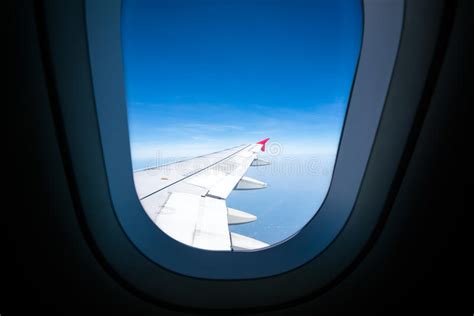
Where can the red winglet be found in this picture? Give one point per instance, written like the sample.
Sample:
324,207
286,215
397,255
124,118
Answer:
263,142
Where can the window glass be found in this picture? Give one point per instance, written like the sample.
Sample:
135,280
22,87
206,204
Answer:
203,76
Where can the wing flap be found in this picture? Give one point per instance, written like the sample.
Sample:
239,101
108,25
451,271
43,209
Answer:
195,220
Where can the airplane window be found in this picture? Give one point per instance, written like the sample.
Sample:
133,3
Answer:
235,112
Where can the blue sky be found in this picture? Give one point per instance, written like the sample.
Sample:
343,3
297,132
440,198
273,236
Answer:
207,75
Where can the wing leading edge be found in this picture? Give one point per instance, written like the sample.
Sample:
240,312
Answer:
186,199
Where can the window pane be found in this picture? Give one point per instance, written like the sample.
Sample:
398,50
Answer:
203,76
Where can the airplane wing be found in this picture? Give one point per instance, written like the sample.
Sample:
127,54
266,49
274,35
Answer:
186,199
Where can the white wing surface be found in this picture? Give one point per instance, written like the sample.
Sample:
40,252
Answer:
186,199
